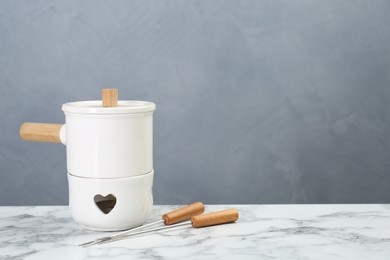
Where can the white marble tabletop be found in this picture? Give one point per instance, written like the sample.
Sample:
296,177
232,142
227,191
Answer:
262,232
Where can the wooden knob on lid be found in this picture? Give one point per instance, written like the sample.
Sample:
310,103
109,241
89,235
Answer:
110,97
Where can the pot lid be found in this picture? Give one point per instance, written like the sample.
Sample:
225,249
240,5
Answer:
109,105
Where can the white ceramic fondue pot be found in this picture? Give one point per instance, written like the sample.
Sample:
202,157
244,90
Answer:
109,148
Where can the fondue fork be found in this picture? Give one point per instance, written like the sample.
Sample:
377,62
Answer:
170,218
205,220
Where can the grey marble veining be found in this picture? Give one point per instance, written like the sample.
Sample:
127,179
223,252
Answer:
262,232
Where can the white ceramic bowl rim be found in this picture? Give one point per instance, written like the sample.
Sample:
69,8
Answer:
114,178
96,107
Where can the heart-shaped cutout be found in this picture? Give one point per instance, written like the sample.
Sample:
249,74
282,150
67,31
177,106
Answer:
105,203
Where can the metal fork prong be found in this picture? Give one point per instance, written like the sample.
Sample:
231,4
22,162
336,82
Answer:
96,241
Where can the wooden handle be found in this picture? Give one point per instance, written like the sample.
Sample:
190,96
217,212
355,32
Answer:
183,213
215,218
39,132
110,97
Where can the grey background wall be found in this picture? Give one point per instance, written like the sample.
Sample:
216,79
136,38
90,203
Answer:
258,101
